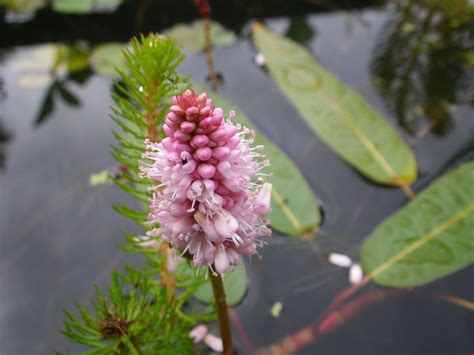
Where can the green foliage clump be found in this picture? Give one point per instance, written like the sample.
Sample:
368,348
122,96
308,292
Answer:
136,317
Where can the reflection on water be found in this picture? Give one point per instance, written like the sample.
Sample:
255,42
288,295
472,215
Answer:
418,64
299,30
4,138
58,233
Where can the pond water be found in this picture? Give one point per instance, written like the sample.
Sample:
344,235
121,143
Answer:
58,233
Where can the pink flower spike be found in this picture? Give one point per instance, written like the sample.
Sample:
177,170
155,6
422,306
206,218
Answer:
210,199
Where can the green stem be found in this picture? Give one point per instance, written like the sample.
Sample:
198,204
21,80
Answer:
223,315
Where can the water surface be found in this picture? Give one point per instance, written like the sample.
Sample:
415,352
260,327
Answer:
58,233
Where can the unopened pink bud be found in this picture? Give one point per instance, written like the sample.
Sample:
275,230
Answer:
171,124
204,153
206,110
233,142
192,113
169,132
205,123
172,117
177,110
180,136
187,127
199,141
221,153
207,171
182,147
187,98
216,120
201,99
218,135
230,131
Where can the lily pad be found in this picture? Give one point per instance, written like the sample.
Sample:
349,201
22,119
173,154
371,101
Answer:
191,37
107,57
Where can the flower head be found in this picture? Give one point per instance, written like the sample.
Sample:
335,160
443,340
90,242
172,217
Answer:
210,199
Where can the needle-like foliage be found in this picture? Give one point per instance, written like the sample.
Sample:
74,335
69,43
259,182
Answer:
134,318
148,310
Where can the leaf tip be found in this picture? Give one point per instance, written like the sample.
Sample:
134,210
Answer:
256,26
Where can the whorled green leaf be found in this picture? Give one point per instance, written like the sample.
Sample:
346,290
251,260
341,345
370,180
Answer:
191,37
338,114
295,210
106,58
235,286
433,236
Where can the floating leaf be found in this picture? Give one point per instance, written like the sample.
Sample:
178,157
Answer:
99,178
73,6
40,58
429,238
23,5
72,58
191,37
107,57
84,6
235,285
295,210
339,115
35,80
52,57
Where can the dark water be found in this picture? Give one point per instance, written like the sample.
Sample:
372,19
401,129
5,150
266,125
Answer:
58,233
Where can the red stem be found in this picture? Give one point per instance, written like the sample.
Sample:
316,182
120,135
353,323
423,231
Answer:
221,306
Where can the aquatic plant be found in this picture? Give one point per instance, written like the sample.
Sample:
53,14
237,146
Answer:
203,199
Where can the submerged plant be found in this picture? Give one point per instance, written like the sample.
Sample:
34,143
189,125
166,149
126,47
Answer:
203,197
